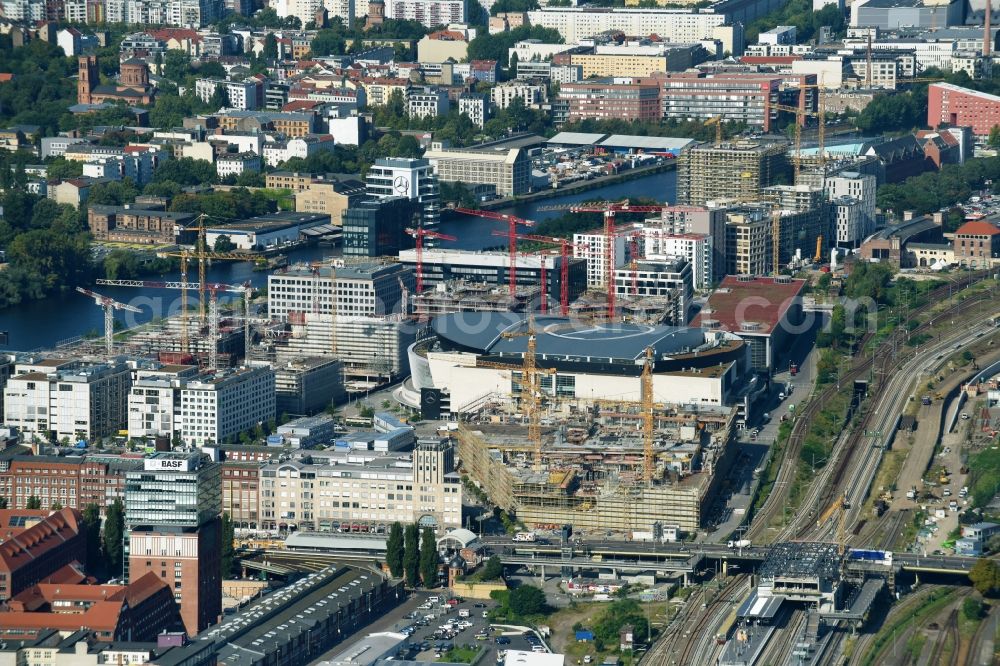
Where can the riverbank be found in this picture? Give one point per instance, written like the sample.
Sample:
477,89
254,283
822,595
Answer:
580,186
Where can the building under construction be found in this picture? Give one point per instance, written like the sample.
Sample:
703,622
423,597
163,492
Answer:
465,296
733,170
592,471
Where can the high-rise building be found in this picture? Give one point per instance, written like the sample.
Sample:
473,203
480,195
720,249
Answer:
214,409
377,227
368,289
734,171
413,179
172,517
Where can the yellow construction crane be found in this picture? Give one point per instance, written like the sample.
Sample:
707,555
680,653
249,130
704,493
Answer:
775,240
717,121
839,505
799,117
647,418
819,249
530,388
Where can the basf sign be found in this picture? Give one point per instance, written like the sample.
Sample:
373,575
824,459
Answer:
168,464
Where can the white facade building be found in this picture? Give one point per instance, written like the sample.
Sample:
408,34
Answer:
407,177
361,290
697,249
430,13
860,187
427,103
591,246
364,488
154,402
343,9
67,399
505,93
242,95
234,164
215,409
475,106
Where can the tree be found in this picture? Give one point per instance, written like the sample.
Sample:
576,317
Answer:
985,577
176,65
270,47
428,558
34,503
394,550
56,506
527,600
3,502
227,545
224,244
411,555
493,569
972,608
114,530
92,525
220,97
994,138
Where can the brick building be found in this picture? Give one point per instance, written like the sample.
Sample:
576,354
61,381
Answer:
40,551
977,244
619,98
953,105
72,481
123,224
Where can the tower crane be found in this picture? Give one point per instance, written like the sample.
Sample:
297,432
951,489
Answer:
512,224
609,209
565,245
420,234
530,387
839,506
109,305
213,288
717,121
647,417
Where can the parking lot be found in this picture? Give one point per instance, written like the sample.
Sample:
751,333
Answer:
436,626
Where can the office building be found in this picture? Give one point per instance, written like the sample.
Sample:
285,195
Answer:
509,171
948,104
748,241
646,279
40,551
154,401
697,249
896,14
735,97
732,171
369,489
172,517
409,178
217,408
854,221
71,481
308,385
57,399
364,289
443,265
377,227
329,198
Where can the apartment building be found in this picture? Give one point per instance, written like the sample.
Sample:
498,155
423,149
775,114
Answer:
289,123
427,103
214,409
125,224
71,481
698,220
237,164
735,171
621,98
475,106
406,177
369,289
736,97
242,95
172,518
508,171
241,492
592,246
533,95
669,277
370,489
58,400
854,222
296,181
697,249
429,13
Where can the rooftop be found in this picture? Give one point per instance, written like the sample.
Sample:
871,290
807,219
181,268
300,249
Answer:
730,306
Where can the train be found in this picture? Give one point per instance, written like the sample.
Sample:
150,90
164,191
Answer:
880,557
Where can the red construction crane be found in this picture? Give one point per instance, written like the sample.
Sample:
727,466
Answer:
633,250
511,234
420,234
109,305
609,209
565,245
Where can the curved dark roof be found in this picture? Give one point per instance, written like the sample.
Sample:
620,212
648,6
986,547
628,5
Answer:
483,332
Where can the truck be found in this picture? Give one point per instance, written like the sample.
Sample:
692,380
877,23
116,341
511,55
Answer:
926,400
793,369
911,493
524,536
739,543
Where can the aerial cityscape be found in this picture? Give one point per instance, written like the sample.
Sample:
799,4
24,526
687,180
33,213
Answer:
499,332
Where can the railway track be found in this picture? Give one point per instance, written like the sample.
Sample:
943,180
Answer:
709,618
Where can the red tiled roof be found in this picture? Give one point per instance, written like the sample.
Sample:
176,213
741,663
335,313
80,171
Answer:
47,535
12,521
301,105
978,228
738,301
180,34
6,76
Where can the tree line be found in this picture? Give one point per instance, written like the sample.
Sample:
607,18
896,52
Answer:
411,554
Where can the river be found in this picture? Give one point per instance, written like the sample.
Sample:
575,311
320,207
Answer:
41,324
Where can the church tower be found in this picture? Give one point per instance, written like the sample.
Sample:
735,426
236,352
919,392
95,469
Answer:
87,79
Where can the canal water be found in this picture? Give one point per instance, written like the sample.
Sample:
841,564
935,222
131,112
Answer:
42,324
